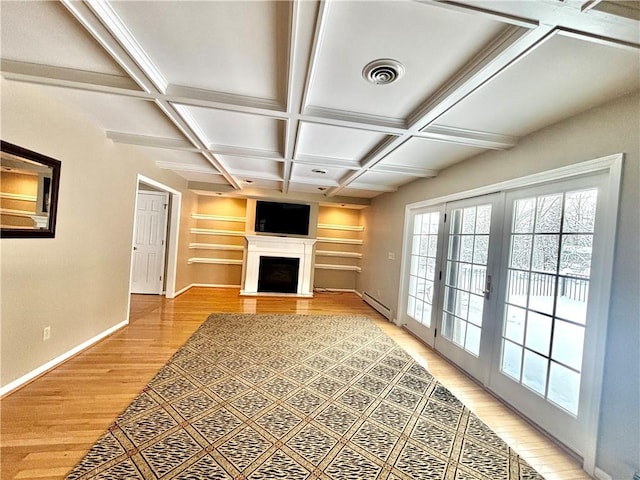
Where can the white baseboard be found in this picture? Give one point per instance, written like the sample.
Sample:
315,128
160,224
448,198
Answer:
58,360
213,285
601,474
338,290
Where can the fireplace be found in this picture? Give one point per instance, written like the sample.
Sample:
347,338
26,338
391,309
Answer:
278,258
278,274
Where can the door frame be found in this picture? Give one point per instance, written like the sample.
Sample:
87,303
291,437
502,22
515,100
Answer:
611,165
173,228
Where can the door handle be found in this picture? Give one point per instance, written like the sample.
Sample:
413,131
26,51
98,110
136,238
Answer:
488,288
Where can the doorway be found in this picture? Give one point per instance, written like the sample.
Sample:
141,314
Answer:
148,187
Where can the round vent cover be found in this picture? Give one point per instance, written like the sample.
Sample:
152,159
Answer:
383,71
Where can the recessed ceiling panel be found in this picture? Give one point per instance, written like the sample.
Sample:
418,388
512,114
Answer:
562,77
234,129
46,33
428,154
121,114
342,143
316,175
231,47
432,43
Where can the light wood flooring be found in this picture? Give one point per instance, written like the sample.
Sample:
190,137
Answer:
48,425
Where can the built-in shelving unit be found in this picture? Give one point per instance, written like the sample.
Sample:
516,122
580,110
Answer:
217,248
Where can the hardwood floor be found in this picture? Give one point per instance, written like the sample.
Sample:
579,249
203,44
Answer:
48,425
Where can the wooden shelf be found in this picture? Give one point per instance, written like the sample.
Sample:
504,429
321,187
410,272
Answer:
211,231
220,218
327,266
350,228
214,246
217,261
334,253
348,241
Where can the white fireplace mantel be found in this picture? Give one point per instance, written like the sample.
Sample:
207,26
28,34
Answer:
273,246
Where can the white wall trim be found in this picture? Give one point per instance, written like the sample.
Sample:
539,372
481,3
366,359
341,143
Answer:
581,168
8,388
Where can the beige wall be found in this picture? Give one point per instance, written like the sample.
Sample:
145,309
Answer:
76,283
609,129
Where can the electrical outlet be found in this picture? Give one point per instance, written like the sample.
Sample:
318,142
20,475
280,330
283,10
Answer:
391,256
46,334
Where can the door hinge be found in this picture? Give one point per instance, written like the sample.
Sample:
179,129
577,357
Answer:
435,333
160,277
445,218
440,275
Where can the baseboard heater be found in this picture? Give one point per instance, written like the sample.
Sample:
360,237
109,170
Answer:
382,309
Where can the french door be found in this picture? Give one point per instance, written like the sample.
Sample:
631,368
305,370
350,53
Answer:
469,261
502,285
545,285
424,265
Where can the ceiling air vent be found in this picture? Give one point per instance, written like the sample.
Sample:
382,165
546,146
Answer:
383,71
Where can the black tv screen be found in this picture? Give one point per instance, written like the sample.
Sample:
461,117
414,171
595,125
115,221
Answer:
286,218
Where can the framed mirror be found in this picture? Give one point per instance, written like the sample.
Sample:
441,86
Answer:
29,184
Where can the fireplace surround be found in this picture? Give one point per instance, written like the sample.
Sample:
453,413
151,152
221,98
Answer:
282,247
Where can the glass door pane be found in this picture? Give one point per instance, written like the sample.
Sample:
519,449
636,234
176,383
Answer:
466,276
547,291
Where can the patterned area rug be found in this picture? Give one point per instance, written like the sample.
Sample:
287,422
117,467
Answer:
261,397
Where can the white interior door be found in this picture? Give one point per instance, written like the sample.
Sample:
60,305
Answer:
149,242
424,267
538,363
467,307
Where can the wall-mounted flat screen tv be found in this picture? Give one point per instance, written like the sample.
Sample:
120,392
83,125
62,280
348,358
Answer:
282,218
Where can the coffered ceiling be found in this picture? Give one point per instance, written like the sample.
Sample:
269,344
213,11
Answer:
269,98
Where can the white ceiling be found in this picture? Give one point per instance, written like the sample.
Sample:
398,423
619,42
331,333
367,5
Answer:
268,98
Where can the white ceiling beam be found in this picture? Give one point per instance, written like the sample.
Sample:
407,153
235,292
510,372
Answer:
150,141
327,162
224,101
303,16
471,138
235,151
392,125
404,170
